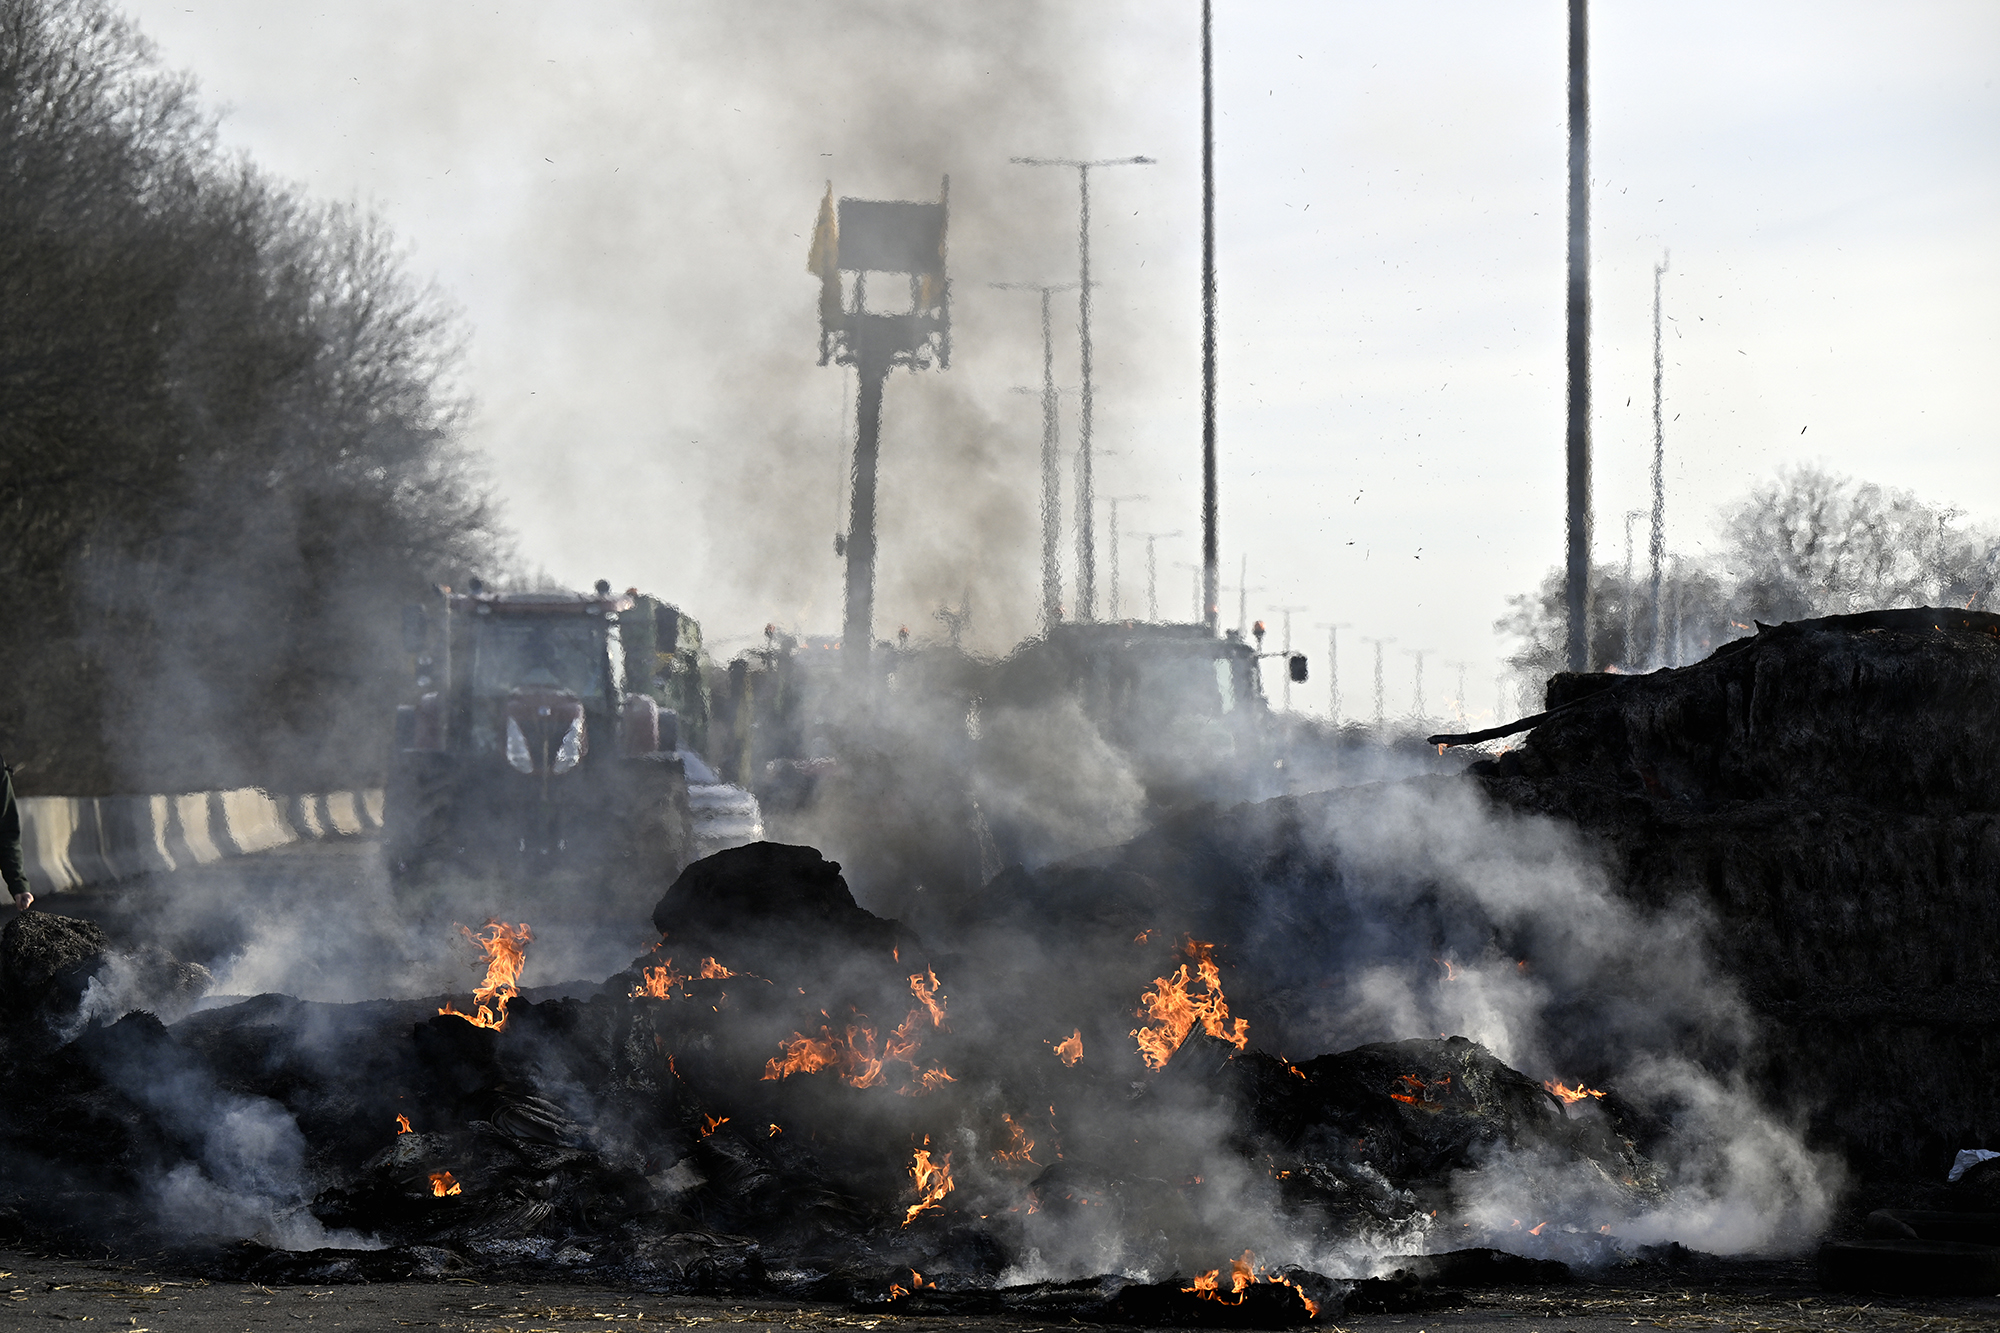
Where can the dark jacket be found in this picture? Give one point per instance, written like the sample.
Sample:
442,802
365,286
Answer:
10,834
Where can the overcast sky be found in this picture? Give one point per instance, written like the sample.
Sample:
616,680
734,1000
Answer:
617,195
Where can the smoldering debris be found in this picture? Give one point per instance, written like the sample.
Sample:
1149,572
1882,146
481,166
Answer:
1825,792
59,971
791,1095
1338,1051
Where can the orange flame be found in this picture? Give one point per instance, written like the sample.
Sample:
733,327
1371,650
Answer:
1570,1096
658,983
775,1131
1019,1145
1070,1050
1174,1009
402,1124
664,982
504,947
711,1123
1242,1272
933,1181
1416,1092
932,1079
929,997
443,1184
854,1054
1312,1306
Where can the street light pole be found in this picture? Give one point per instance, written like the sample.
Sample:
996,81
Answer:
1114,502
1631,601
1152,575
1051,470
1381,714
1211,549
1658,545
1577,576
1086,573
1333,670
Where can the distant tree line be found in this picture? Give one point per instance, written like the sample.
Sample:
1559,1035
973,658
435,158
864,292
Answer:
1808,543
229,440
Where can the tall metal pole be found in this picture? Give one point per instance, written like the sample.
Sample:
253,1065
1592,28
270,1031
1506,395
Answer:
1152,583
1381,713
1086,552
1152,575
1051,455
1333,670
857,635
1655,656
1243,599
1086,507
1461,690
1626,654
1211,573
1051,477
1578,572
1114,501
1418,653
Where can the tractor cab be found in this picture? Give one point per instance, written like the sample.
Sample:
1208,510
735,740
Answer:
523,747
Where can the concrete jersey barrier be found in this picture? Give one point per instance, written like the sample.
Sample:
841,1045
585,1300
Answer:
68,842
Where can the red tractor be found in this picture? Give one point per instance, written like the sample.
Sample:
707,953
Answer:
525,756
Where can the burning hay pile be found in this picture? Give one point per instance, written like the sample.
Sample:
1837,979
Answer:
791,1094
1094,1090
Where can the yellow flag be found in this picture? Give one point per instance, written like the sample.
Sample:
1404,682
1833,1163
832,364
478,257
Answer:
824,256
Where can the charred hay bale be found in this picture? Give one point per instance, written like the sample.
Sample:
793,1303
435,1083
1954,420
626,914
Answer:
1891,708
774,908
1829,792
1415,1112
46,960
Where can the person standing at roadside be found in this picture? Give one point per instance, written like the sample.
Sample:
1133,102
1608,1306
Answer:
10,842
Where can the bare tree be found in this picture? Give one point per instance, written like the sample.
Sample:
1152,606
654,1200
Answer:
1807,543
229,437
1812,542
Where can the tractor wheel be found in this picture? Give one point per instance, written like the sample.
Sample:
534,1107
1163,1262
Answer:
655,828
418,806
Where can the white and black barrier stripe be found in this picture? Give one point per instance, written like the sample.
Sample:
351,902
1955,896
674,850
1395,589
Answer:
68,842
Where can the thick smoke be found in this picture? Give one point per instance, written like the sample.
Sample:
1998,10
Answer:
1401,911
231,1165
724,490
